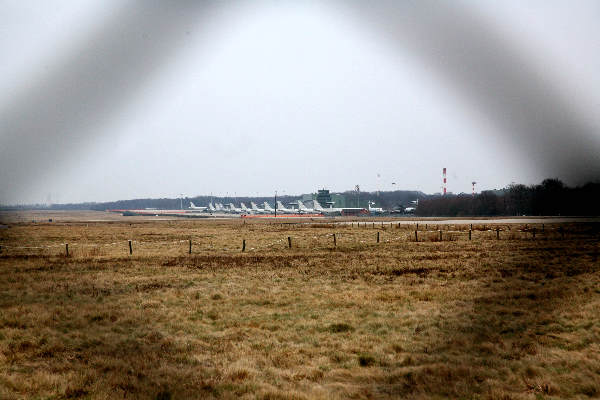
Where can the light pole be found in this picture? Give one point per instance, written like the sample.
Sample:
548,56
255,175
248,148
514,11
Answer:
276,204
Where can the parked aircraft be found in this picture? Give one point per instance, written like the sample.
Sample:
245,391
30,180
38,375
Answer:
194,207
302,209
338,210
375,210
268,208
257,210
233,209
281,209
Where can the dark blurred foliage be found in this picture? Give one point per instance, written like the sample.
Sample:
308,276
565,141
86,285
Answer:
551,197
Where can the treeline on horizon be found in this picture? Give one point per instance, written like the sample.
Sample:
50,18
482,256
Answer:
386,200
551,197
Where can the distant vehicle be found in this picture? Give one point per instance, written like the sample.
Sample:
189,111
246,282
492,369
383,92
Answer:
375,210
412,209
194,207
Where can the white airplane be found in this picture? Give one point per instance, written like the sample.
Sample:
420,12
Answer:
281,209
375,210
337,210
257,210
268,208
232,209
194,207
302,209
245,209
211,208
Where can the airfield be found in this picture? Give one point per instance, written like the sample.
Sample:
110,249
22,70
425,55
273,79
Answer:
175,308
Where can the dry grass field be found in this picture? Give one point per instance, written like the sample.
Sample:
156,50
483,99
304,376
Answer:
515,318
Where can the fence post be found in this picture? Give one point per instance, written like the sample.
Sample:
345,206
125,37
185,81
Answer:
417,227
377,237
416,237
290,242
190,252
498,233
469,234
471,227
243,245
334,241
67,249
373,225
440,235
130,248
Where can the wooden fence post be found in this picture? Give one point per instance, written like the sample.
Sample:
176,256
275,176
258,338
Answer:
130,248
67,249
471,226
417,227
334,241
190,252
243,245
416,237
469,234
440,235
377,237
290,242
498,233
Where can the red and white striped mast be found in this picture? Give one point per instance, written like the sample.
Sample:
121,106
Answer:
444,176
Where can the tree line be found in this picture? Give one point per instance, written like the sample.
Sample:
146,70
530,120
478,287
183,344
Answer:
551,197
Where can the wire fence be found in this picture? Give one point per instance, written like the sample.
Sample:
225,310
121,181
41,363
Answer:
347,237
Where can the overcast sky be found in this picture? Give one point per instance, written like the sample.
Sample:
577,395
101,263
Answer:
107,100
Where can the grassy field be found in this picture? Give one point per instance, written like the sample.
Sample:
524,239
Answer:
493,319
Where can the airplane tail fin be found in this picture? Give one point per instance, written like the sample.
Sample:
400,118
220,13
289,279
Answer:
280,206
317,205
301,205
192,205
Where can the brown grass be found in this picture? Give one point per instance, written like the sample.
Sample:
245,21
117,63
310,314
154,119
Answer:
490,319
